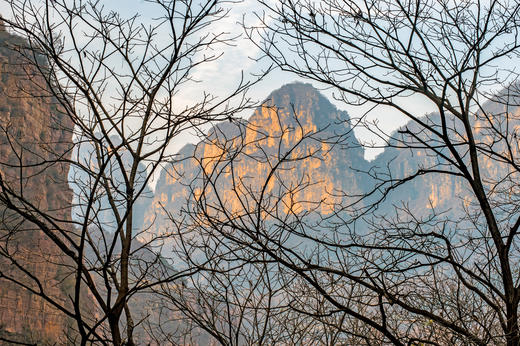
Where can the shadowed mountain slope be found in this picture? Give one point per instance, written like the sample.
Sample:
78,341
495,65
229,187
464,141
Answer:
33,134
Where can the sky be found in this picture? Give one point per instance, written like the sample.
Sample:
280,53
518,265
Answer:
225,73
242,58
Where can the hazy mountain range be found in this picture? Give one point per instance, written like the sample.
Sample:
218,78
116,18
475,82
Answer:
335,174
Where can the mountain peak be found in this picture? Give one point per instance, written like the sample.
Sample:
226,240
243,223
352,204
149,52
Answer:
296,87
304,101
296,93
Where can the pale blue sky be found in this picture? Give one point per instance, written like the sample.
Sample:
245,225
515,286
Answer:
222,75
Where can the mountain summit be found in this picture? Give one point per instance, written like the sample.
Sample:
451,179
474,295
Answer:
323,156
304,98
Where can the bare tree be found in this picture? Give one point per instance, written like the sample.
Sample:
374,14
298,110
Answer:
114,81
386,267
262,262
249,185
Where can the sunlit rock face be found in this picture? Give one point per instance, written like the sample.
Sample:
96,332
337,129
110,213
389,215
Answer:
31,132
323,169
238,165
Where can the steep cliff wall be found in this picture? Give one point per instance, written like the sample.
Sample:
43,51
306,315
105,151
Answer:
32,135
335,171
296,121
446,192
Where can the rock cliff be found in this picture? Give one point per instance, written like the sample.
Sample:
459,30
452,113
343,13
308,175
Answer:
328,163
33,134
295,122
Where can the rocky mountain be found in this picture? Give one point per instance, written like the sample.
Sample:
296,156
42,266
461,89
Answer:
299,125
426,191
32,135
296,125
446,192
